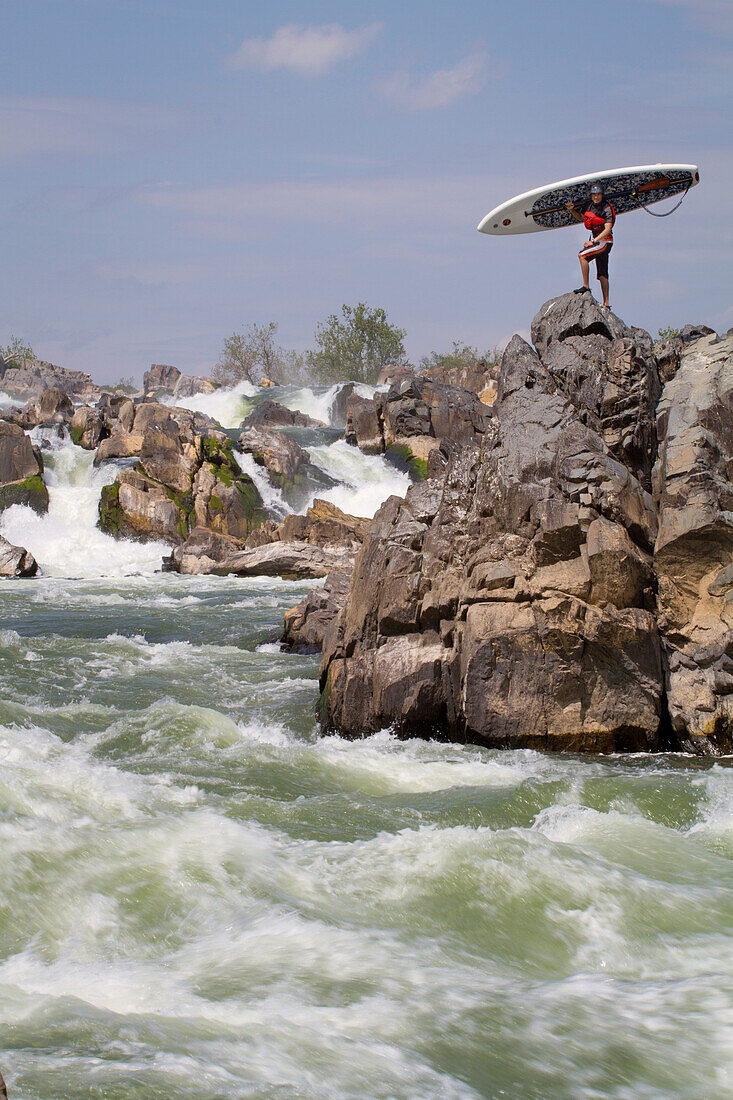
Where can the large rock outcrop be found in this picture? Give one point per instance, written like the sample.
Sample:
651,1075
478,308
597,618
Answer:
607,370
694,549
164,379
26,380
21,468
187,477
52,407
510,599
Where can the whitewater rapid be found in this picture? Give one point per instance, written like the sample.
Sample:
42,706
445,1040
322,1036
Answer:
206,899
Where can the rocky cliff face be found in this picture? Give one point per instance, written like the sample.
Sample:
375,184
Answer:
511,599
693,555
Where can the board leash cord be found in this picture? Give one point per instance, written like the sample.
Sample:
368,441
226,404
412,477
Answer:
652,185
676,206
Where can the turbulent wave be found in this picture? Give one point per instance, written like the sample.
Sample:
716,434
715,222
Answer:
203,898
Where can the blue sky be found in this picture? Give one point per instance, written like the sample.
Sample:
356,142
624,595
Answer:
172,170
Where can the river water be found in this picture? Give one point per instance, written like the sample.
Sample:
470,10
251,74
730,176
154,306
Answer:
203,898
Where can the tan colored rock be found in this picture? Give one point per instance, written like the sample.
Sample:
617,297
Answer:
88,427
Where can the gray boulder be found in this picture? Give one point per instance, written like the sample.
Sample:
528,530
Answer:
16,561
308,623
188,385
292,560
20,470
51,408
88,427
409,421
160,377
201,552
271,414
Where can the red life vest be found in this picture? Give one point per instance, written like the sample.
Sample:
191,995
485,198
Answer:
595,222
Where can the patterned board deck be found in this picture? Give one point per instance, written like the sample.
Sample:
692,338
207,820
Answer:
619,192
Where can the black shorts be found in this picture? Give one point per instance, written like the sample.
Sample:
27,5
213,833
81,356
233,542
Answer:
599,253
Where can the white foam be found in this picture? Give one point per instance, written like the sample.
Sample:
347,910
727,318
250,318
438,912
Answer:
318,403
228,406
6,400
272,498
366,480
384,763
66,542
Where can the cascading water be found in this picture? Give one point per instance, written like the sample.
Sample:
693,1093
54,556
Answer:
365,481
318,402
229,406
66,542
271,497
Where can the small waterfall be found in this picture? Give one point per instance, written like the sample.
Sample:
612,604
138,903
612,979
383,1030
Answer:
228,406
318,402
271,497
365,480
66,542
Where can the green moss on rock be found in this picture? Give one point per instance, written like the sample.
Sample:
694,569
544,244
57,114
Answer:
31,492
400,455
111,516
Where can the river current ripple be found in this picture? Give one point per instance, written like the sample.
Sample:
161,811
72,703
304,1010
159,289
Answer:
203,898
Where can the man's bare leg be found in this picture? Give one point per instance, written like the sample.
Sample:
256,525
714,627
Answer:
603,280
585,268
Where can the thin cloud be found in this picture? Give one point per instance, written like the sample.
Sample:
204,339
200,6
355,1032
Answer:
56,124
440,88
305,50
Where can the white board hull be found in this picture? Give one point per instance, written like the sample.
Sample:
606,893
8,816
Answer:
544,207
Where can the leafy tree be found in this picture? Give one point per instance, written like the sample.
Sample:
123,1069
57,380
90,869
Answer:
249,355
126,384
462,357
355,346
17,352
667,333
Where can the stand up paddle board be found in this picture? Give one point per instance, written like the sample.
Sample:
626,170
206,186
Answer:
625,188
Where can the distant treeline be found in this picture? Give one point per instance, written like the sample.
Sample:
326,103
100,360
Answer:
353,345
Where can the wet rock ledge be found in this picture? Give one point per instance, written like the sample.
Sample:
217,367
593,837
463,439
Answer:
565,580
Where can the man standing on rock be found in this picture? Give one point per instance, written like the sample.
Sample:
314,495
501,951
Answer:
598,216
